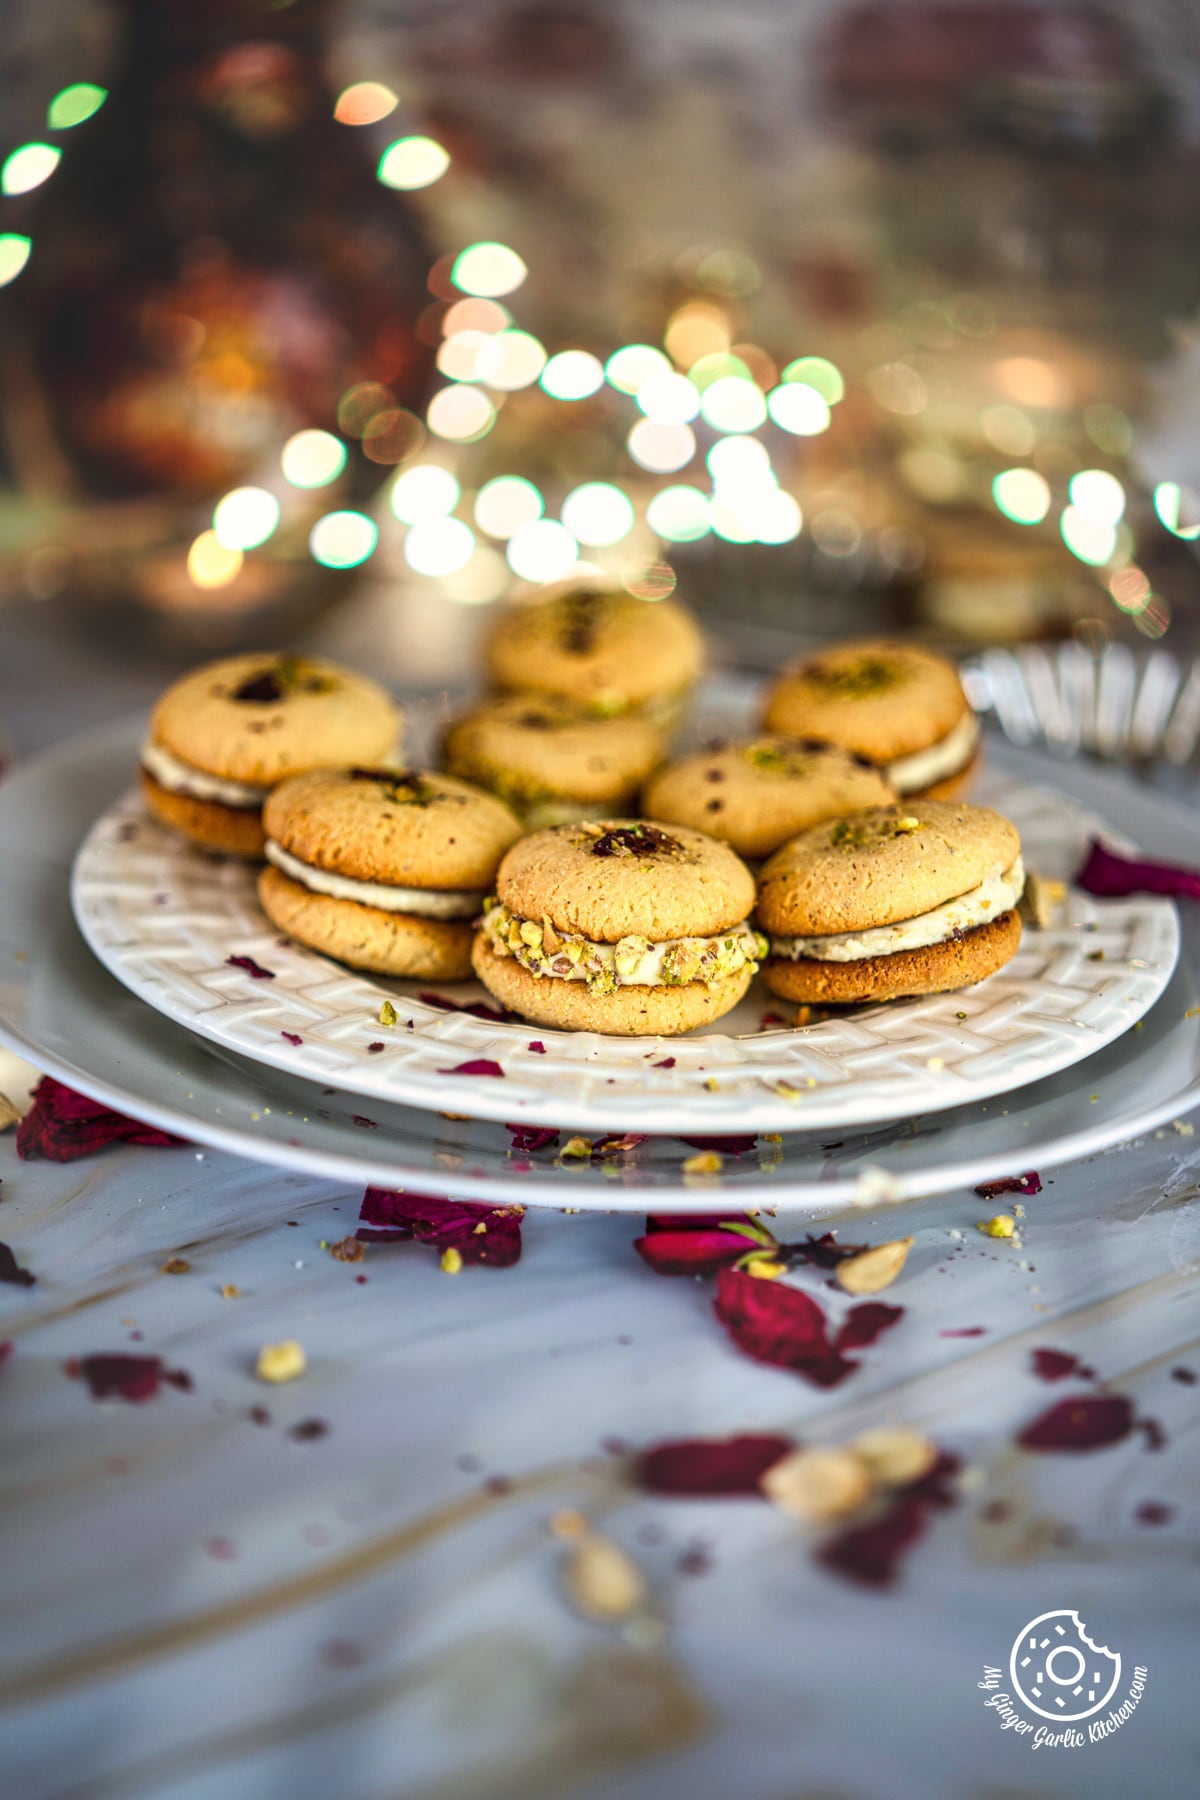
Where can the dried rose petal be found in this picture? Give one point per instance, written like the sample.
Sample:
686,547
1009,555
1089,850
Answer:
780,1325
963,1331
532,1137
292,1037
823,1252
537,1046
479,1009
1107,873
480,1065
61,1125
445,1225
12,1272
254,970
1029,1183
119,1377
871,1554
363,1122
863,1324
726,1146
710,1465
1152,1431
1054,1365
701,1252
1084,1422
668,1062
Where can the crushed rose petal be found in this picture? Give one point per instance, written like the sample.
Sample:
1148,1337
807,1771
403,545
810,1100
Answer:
537,1046
1029,1183
12,1272
254,970
479,1065
293,1037
479,1009
1107,873
863,1324
871,1554
1083,1422
732,1465
532,1137
779,1325
445,1224
130,1378
1054,1365
62,1125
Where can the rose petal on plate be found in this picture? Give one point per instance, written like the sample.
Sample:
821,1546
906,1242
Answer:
1107,873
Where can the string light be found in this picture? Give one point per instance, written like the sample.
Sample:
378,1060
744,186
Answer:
733,403
74,104
342,540
798,408
1098,495
542,551
633,365
509,360
817,372
461,414
425,491
488,269
26,168
679,514
1022,495
506,503
573,375
210,564
668,399
413,162
365,103
661,448
312,459
439,546
14,254
1177,507
598,514
1092,540
245,518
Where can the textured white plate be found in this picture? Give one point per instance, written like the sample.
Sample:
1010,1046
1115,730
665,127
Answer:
166,920
60,1009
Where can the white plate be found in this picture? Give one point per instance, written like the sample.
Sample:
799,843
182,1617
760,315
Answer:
60,1009
166,919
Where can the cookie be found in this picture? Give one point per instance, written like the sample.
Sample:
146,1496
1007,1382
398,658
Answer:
757,792
222,737
898,705
910,899
552,763
620,926
383,869
600,648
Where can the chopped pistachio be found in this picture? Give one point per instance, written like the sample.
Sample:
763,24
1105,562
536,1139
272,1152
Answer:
451,1260
1000,1226
388,1014
285,1361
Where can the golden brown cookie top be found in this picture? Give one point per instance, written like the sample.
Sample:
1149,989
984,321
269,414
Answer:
406,828
881,699
755,793
529,746
877,867
260,717
600,647
623,877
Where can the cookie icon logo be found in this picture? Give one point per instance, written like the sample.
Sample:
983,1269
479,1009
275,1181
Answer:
1058,1672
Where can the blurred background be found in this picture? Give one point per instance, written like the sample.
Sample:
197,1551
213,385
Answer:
331,323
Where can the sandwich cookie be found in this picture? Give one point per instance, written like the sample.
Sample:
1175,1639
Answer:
758,792
383,869
620,926
898,705
222,737
602,649
912,899
552,763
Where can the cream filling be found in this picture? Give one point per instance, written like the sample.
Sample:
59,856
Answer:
183,778
908,774
427,903
631,962
983,904
539,815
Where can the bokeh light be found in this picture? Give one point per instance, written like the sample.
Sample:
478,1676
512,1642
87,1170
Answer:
505,504
1178,508
365,103
729,521
1130,588
26,168
668,399
509,360
733,404
475,315
1022,495
210,563
598,514
773,516
836,532
458,354
739,461
245,518
1032,382
14,254
679,514
573,375
633,365
342,540
425,491
488,269
1091,540
817,372
460,414
542,551
74,104
696,330
439,546
393,436
899,388
798,408
661,448
312,459
1109,428
1009,430
655,581
719,366
1098,495
483,578
413,162
359,405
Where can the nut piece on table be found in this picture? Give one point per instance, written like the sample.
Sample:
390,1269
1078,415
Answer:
874,1269
818,1485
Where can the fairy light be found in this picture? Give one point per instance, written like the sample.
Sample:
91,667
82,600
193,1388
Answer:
460,414
733,404
342,540
458,355
695,330
796,407
509,360
413,162
245,518
729,522
1098,495
488,269
679,514
475,315
27,167
439,546
424,491
365,103
505,504
1177,508
572,375
739,460
1092,540
72,105
14,254
211,564
773,516
598,514
662,449
312,459
542,551
719,366
819,373
1022,495
633,365
668,399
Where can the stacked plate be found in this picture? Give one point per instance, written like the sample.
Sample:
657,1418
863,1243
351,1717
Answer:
292,1065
